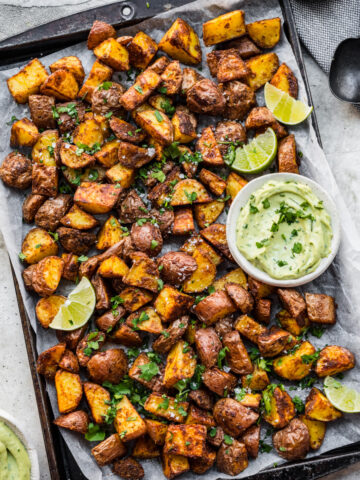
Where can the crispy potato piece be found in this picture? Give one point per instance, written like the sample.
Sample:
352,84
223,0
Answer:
99,32
107,156
274,341
143,273
121,175
37,245
262,310
259,289
71,338
108,366
126,131
219,381
174,465
231,66
215,183
183,221
113,267
240,98
45,180
157,125
208,148
27,81
27,277
206,97
102,292
108,320
89,132
145,448
233,417
225,27
76,241
156,430
24,133
47,308
258,380
109,234
251,400
203,276
135,298
171,304
16,171
260,118
249,328
48,361
75,421
171,335
126,336
196,242
138,93
215,234
61,84
136,373
295,366
113,54
161,102
333,360
128,468
128,423
240,296
294,303
235,276
262,69
320,308
189,191
166,407
198,416
285,80
96,198
171,78
83,344
43,148
237,356
51,211
180,364
108,450
187,440
290,324
77,218
69,390
41,111
99,74
97,397
69,362
146,320
207,213
279,407
133,156
47,275
317,431
318,407
232,459
142,50
214,307
181,43
251,439
245,46
190,77
293,442
72,64
184,125
70,157
287,155
265,33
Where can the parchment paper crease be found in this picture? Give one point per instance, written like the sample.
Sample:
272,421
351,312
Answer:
342,280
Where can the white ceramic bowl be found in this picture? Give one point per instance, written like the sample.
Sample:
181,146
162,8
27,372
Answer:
240,200
14,425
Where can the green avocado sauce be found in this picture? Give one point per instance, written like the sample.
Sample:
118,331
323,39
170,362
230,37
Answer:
284,230
14,459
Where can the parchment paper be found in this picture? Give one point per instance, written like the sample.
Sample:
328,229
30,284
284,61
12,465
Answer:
341,280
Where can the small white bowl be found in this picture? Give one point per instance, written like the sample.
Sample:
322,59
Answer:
14,425
241,199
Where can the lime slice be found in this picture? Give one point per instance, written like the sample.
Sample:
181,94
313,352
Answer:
77,309
343,398
257,155
284,107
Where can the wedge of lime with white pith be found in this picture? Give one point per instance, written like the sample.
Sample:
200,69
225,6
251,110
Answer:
257,155
285,108
77,309
343,398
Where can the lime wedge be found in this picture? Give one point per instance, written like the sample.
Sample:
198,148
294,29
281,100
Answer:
77,309
284,107
257,155
343,398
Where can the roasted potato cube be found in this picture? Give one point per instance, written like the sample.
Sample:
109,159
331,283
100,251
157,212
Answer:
184,125
187,440
251,400
209,148
249,328
293,442
113,54
45,180
61,84
142,50
71,338
171,304
279,407
237,355
318,407
132,156
135,298
180,364
145,84
72,64
216,236
240,296
113,267
181,43
107,156
285,80
205,97
260,118
96,198
166,407
294,303
83,344
333,360
236,276
48,361
128,423
108,320
171,335
258,380
146,320
156,430
69,362
155,124
203,464
287,155
27,81
43,150
233,417
77,218
89,132
75,241
183,221
189,191
317,431
174,465
70,157
320,308
297,365
121,175
245,46
37,245
290,324
259,289
207,213
230,66
24,133
215,183
232,459
137,371
225,27
203,276
262,68
110,233
145,448
251,438
143,273
108,450
16,171
126,336
98,399
47,308
274,341
198,416
265,33
190,77
126,131
51,211
159,64
75,421
68,390
196,242
99,32
214,307
99,74
240,99
171,78
47,275
219,381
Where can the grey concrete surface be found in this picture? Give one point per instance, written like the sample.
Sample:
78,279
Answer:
339,126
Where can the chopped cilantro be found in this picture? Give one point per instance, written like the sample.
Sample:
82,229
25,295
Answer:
94,433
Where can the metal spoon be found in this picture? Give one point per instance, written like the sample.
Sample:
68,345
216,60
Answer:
344,78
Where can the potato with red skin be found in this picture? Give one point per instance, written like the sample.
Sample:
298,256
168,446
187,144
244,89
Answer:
262,310
77,421
293,302
320,308
69,362
245,46
224,326
107,100
241,297
239,99
47,275
109,319
214,307
171,335
67,122
48,361
251,438
108,450
31,205
272,342
51,212
109,366
147,238
219,381
208,346
176,267
232,459
76,241
99,32
237,356
202,398
233,417
205,97
83,345
126,131
16,170
293,441
71,338
41,111
102,292
229,131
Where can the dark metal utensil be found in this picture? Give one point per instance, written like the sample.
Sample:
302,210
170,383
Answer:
344,78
